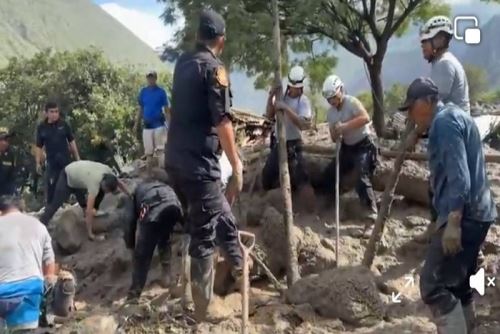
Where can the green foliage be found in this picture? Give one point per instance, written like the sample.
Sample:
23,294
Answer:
492,97
97,98
393,98
478,81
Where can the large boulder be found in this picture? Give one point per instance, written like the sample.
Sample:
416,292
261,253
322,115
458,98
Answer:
349,294
69,232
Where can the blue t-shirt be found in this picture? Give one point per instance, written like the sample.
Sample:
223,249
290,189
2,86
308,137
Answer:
153,100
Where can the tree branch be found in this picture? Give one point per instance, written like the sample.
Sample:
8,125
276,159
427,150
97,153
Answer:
369,17
412,4
386,34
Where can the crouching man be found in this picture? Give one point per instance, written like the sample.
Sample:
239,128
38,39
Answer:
157,210
463,202
349,121
26,261
89,181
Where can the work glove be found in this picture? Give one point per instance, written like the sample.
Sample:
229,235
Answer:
452,235
235,184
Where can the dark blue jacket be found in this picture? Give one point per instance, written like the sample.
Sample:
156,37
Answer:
458,171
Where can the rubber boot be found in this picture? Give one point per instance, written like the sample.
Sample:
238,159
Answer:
202,282
470,316
64,294
187,299
453,322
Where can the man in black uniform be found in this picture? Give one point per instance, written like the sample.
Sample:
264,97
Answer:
55,135
7,164
156,211
200,126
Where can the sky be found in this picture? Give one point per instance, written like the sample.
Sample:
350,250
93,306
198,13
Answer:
142,17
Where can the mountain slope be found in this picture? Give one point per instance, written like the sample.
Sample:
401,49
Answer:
28,26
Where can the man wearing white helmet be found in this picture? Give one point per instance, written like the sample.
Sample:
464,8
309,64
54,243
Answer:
349,121
447,72
297,111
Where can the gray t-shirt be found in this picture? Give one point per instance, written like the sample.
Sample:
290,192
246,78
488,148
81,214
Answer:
450,78
350,109
85,174
302,107
25,245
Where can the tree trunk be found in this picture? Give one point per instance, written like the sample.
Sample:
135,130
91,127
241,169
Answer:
293,265
375,73
409,140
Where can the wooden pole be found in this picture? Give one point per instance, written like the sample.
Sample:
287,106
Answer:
293,266
410,138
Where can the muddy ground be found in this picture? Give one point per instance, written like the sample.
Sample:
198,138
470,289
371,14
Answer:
103,270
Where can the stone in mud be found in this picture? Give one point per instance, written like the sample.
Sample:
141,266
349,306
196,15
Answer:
69,230
349,294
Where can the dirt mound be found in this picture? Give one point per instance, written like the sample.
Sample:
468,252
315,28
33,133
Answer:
349,294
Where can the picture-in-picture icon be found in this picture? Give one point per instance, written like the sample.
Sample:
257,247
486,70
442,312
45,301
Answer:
471,35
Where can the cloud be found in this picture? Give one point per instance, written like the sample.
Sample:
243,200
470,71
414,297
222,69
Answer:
148,27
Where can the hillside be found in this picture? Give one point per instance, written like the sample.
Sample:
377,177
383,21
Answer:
28,26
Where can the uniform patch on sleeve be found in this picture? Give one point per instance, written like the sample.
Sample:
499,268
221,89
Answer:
221,76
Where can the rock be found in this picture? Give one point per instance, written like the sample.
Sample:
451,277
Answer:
70,232
490,248
274,198
98,324
117,217
312,255
348,293
414,221
255,211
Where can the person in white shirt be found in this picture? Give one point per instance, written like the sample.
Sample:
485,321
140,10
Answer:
297,118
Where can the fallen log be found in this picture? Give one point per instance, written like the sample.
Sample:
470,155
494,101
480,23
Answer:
410,138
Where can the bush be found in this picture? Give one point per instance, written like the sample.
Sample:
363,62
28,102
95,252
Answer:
98,99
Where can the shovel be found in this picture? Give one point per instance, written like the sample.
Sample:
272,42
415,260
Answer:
245,249
338,145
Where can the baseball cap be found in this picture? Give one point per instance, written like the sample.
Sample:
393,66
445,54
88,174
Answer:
5,133
419,88
151,73
211,25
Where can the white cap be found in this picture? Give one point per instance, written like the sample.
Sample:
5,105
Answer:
332,86
296,77
434,25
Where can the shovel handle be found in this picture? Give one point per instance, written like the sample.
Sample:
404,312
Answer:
249,236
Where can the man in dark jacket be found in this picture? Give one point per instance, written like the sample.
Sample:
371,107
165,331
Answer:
157,210
7,164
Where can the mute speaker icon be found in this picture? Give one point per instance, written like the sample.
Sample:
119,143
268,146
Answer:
477,281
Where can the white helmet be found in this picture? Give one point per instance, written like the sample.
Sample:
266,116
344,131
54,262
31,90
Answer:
434,25
332,86
296,77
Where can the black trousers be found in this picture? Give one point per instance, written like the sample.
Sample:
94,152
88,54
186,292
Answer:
209,220
444,280
51,178
152,235
62,192
296,166
361,159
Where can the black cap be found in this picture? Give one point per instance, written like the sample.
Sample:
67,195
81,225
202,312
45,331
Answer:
211,25
419,88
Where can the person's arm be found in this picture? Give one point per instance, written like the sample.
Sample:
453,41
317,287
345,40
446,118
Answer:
123,188
71,142
89,215
301,118
48,258
166,106
443,74
140,110
270,110
453,152
361,119
39,149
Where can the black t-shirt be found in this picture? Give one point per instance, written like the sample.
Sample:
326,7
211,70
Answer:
55,137
7,172
201,99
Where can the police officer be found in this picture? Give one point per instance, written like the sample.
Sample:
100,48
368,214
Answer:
463,202
200,126
56,137
7,164
156,211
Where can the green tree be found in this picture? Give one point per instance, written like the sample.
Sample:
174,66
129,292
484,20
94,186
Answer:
98,99
363,27
478,81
